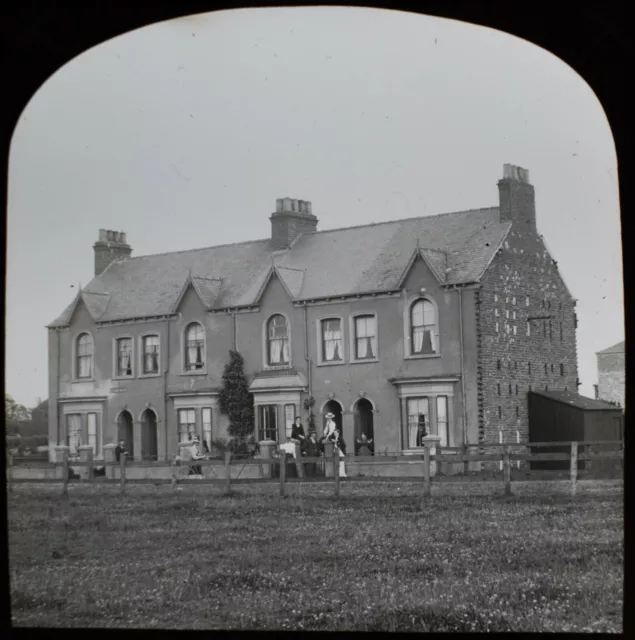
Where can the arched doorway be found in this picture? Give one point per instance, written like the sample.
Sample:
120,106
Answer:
334,407
364,419
149,449
125,432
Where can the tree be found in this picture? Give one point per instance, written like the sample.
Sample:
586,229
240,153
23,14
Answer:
39,423
15,415
236,401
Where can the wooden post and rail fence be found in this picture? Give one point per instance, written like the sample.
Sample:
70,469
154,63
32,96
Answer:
331,463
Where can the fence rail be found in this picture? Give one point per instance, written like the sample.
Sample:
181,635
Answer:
423,459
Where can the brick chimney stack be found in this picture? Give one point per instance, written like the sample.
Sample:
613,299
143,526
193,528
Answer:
517,202
111,246
291,219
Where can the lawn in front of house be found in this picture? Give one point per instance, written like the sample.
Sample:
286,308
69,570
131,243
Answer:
193,558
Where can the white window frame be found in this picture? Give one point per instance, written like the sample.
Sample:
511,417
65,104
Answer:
265,342
260,428
320,359
75,363
179,423
98,445
73,445
115,357
142,356
204,423
353,333
430,390
408,353
185,370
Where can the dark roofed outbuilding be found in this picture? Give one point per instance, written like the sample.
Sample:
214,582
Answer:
562,416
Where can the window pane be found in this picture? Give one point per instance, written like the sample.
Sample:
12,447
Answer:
187,424
331,340
124,357
195,346
442,420
289,417
151,354
206,416
94,436
73,431
84,356
423,328
278,347
365,337
267,422
417,407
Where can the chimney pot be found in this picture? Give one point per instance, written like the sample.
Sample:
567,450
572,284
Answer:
291,219
517,202
110,246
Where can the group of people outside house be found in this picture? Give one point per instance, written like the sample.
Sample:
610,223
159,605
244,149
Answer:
311,447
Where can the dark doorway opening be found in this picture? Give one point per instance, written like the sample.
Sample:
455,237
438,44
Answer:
149,448
334,407
125,432
364,420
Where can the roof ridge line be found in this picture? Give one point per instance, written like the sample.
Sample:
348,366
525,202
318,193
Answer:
216,246
377,224
212,279
280,266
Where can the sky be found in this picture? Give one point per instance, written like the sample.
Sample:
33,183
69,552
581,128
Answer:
184,133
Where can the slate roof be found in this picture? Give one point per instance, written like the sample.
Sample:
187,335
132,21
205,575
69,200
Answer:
616,348
354,260
578,401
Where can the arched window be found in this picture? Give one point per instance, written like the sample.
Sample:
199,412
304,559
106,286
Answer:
84,356
194,347
277,340
423,328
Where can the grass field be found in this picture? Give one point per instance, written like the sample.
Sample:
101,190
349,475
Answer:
190,557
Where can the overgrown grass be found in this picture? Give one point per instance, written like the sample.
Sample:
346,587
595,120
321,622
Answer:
193,558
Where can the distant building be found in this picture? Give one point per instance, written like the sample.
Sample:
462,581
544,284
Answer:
455,317
611,374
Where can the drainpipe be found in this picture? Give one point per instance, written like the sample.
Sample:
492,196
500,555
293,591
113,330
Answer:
306,351
57,399
165,385
234,323
460,292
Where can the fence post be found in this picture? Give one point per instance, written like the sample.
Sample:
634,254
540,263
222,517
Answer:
122,472
175,471
86,455
336,471
228,471
574,466
10,471
91,468
426,471
507,471
283,471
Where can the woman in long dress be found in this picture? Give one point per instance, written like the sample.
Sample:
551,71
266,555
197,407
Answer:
329,428
340,445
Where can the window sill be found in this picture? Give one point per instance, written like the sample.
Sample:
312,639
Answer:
277,367
364,361
193,373
423,356
149,375
331,363
91,379
123,378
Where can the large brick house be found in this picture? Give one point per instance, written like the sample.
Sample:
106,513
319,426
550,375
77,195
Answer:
611,374
454,316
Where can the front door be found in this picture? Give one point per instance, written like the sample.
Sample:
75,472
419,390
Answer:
149,435
125,432
364,423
